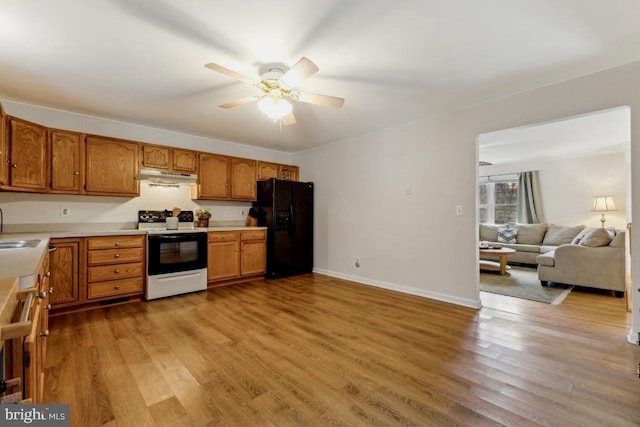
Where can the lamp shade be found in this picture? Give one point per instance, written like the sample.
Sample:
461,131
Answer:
603,204
275,108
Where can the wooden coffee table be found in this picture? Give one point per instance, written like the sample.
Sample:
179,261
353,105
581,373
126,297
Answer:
501,254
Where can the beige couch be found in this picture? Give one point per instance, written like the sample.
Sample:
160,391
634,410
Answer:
531,239
599,267
563,255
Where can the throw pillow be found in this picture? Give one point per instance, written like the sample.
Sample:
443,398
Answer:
489,232
618,241
560,235
596,238
507,234
576,240
530,234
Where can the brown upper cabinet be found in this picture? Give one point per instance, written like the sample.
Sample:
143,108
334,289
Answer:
34,158
243,179
111,167
267,170
225,178
66,150
213,179
168,159
288,172
27,167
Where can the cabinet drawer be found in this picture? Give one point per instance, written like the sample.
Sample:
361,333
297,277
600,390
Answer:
116,256
114,242
221,236
253,235
115,288
116,271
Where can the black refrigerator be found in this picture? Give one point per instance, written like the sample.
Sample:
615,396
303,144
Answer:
286,208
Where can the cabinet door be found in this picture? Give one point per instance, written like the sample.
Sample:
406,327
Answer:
111,167
65,272
267,170
184,160
67,157
155,157
288,172
4,149
243,179
28,151
252,258
213,177
222,260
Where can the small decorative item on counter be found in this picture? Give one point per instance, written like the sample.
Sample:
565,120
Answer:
203,216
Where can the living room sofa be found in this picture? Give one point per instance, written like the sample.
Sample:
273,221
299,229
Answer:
531,240
601,267
574,255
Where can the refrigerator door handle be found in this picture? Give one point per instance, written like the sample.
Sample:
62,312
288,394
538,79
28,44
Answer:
292,225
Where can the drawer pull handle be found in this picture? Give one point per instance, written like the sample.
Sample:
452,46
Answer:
117,243
76,173
44,333
117,271
47,274
51,290
116,256
116,287
42,295
48,306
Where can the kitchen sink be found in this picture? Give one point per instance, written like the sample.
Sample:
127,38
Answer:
16,244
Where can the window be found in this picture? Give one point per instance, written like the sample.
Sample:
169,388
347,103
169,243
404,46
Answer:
498,198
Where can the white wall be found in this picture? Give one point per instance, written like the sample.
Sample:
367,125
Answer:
417,243
568,186
23,208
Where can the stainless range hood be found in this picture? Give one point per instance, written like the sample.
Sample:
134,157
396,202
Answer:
167,178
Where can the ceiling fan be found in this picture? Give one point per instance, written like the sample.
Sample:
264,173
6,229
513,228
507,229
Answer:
277,85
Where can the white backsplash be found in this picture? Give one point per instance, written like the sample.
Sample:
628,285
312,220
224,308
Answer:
30,208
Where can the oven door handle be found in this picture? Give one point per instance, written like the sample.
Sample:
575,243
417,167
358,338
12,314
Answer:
165,236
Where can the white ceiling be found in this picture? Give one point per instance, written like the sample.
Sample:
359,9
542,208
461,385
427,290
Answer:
599,132
142,61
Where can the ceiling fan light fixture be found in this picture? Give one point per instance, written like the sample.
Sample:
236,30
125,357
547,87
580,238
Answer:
274,108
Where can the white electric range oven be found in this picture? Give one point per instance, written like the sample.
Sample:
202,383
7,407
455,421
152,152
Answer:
176,258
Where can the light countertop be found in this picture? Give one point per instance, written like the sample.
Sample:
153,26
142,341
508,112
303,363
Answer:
23,262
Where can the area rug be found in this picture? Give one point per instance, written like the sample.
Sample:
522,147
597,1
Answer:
522,282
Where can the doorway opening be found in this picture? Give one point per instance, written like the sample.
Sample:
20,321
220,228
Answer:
576,159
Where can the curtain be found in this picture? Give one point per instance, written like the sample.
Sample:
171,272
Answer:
529,200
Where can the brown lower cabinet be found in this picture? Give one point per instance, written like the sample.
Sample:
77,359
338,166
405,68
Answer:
26,343
236,256
93,269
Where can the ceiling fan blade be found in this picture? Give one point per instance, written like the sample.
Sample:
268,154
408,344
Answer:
289,120
230,73
325,100
296,74
240,101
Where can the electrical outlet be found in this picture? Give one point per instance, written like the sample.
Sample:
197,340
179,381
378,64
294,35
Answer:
65,212
357,262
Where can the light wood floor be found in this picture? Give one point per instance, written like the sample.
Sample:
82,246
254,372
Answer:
314,350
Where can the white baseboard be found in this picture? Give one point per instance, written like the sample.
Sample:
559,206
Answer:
404,289
633,337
